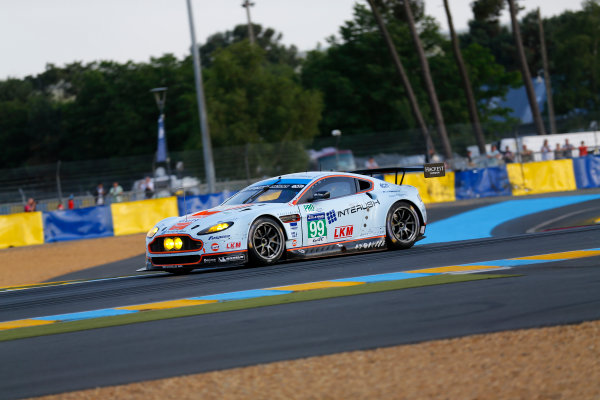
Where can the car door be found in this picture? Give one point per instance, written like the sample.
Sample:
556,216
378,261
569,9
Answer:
338,217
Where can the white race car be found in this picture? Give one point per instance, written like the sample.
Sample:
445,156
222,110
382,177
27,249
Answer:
301,215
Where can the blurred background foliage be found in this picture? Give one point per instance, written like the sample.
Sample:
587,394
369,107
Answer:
271,93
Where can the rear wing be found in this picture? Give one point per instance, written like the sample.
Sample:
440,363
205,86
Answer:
434,170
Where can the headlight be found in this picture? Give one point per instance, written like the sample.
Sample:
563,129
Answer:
152,232
169,243
221,226
178,243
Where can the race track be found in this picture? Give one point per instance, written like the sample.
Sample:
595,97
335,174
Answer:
544,294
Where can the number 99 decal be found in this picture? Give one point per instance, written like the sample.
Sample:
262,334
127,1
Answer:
317,228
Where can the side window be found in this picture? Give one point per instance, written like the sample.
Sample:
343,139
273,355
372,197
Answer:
338,186
364,185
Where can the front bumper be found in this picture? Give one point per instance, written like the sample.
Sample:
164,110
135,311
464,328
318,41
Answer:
175,261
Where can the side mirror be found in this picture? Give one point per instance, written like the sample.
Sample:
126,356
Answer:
321,195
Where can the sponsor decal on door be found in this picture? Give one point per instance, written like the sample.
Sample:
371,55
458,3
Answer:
343,232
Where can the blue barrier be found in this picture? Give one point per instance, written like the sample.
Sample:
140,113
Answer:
82,223
587,172
485,182
201,202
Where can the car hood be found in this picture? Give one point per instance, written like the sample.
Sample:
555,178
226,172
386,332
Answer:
203,219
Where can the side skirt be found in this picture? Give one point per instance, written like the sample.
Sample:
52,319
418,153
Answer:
346,247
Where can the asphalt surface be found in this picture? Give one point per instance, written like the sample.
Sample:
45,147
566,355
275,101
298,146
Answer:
547,294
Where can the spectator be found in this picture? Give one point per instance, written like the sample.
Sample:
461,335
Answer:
371,163
60,206
583,150
179,168
494,156
558,152
116,192
148,188
508,156
568,149
99,194
470,162
545,150
30,206
434,157
71,202
526,155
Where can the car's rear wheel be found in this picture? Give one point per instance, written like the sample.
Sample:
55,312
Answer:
402,225
266,242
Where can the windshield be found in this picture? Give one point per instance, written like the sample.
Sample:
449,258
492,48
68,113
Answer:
266,192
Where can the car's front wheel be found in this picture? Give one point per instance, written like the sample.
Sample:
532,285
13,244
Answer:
266,242
402,225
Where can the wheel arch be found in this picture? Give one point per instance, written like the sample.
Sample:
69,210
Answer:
274,218
394,201
417,209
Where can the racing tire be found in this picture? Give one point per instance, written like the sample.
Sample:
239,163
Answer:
266,242
402,225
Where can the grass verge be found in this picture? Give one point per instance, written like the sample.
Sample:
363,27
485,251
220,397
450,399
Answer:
146,316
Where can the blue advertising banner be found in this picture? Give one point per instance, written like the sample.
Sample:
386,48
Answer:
161,152
587,172
82,223
201,202
485,182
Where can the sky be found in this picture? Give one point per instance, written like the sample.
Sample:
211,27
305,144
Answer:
34,33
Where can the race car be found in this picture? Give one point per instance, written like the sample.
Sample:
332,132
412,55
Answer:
300,215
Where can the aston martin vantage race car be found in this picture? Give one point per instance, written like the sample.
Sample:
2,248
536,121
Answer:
300,215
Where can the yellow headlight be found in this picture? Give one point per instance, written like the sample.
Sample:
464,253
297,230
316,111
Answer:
169,244
152,232
218,227
178,243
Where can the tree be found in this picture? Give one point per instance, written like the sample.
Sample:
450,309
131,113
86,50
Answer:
472,106
485,30
362,92
359,84
535,111
546,74
574,58
251,101
14,118
266,38
429,86
405,82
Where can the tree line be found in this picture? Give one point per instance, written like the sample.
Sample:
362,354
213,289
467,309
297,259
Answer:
269,92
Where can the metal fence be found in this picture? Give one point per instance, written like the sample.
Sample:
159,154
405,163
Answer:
238,166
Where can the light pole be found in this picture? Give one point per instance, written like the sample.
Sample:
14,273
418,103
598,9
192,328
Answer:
209,165
247,4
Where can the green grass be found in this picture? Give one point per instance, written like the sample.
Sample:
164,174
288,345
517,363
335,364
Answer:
318,294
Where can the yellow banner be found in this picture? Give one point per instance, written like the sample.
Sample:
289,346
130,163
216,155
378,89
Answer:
432,190
21,229
140,216
541,177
